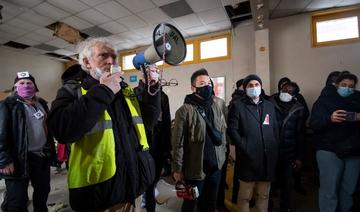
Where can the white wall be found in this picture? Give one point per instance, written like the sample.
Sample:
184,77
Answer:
47,72
242,64
291,55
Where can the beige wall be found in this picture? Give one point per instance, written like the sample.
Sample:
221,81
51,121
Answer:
242,64
47,72
291,55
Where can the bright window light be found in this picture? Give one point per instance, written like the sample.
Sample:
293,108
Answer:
337,29
213,48
127,62
189,53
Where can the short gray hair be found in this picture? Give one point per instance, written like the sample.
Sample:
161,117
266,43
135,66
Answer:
86,49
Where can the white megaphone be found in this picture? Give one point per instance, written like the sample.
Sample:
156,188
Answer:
165,190
168,45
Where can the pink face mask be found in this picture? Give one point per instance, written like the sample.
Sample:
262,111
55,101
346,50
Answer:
26,91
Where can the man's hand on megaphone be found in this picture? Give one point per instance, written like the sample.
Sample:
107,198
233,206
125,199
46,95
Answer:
178,176
112,81
153,74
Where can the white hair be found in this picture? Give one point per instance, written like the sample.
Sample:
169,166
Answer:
86,49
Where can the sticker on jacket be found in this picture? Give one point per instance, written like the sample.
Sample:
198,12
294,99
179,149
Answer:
266,120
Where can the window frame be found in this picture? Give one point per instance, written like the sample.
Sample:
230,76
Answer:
329,15
228,55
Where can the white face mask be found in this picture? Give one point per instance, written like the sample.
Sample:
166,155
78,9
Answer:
253,92
285,97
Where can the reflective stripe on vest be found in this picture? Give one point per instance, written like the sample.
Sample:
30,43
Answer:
92,158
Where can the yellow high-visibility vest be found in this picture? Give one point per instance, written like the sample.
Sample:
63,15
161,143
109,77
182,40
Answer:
92,158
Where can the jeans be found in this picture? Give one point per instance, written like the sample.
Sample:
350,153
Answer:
261,191
338,178
208,190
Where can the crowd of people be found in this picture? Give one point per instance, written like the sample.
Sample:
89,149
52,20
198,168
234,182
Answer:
117,141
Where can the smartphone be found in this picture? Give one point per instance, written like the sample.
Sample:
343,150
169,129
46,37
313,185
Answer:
350,116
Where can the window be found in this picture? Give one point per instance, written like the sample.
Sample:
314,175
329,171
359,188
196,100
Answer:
126,62
337,27
189,53
215,48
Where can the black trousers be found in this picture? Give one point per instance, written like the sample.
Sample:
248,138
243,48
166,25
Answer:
208,190
17,189
222,184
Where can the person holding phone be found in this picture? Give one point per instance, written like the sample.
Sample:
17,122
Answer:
337,135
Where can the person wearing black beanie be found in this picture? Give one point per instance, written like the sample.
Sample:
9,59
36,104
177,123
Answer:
253,128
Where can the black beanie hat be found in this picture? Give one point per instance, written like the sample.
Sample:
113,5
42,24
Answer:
249,78
25,75
282,81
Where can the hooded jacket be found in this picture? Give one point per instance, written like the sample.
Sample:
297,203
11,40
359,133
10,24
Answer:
72,116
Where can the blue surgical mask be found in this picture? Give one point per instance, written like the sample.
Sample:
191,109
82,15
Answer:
98,72
253,92
345,91
204,91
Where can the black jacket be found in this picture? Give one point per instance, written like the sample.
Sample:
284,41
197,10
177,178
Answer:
291,125
14,139
254,131
331,136
72,116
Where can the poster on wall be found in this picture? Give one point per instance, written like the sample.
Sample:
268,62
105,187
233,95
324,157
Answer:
219,87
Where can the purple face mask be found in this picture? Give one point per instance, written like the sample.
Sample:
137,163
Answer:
26,91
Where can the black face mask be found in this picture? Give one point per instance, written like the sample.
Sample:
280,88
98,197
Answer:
205,91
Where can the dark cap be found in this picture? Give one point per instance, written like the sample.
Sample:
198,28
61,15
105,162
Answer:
25,75
249,78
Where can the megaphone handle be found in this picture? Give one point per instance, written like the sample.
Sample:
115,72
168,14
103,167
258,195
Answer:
144,73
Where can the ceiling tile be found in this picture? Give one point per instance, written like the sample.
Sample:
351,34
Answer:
50,11
17,22
163,2
70,6
115,39
197,30
319,4
77,22
96,32
114,27
34,51
348,3
153,16
37,37
3,40
214,15
202,5
58,42
27,3
6,35
132,22
188,21
113,10
177,9
93,2
137,5
46,47
218,26
27,41
93,16
72,48
289,4
144,42
13,30
10,9
64,52
45,32
36,19
146,31
131,36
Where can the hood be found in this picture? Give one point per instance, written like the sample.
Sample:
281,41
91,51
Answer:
74,72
